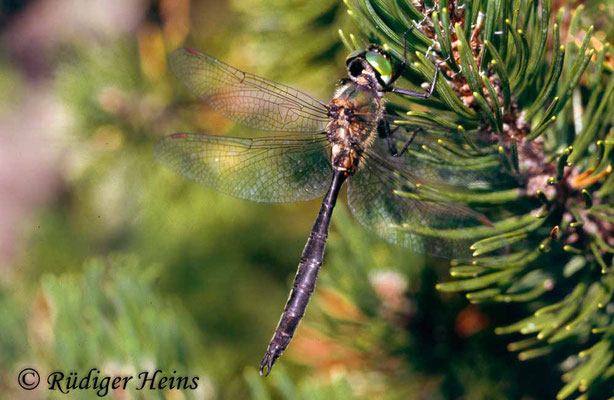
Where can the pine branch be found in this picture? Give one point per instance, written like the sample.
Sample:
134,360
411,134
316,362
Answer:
534,98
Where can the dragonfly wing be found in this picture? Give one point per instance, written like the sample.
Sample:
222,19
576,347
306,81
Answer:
424,226
248,99
423,162
268,169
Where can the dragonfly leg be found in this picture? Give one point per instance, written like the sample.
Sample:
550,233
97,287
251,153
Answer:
411,93
388,133
407,143
401,67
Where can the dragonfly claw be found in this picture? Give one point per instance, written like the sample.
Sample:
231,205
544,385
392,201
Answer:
267,362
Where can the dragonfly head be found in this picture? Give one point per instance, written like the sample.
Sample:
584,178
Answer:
373,62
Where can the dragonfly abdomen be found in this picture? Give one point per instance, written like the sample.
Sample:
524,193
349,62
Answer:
306,276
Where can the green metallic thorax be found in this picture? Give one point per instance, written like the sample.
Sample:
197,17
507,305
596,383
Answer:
355,112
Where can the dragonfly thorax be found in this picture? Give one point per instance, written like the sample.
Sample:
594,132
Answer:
354,114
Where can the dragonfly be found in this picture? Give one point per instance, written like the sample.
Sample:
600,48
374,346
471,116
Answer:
350,138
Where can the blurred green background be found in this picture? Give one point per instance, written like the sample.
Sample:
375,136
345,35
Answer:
107,260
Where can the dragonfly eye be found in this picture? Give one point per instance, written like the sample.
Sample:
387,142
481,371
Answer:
355,67
380,64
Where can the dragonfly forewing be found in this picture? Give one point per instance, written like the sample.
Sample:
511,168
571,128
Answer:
268,169
248,99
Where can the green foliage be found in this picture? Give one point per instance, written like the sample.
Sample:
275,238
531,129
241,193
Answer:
109,316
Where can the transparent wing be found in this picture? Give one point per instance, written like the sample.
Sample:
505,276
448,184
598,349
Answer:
424,226
246,98
424,156
267,169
